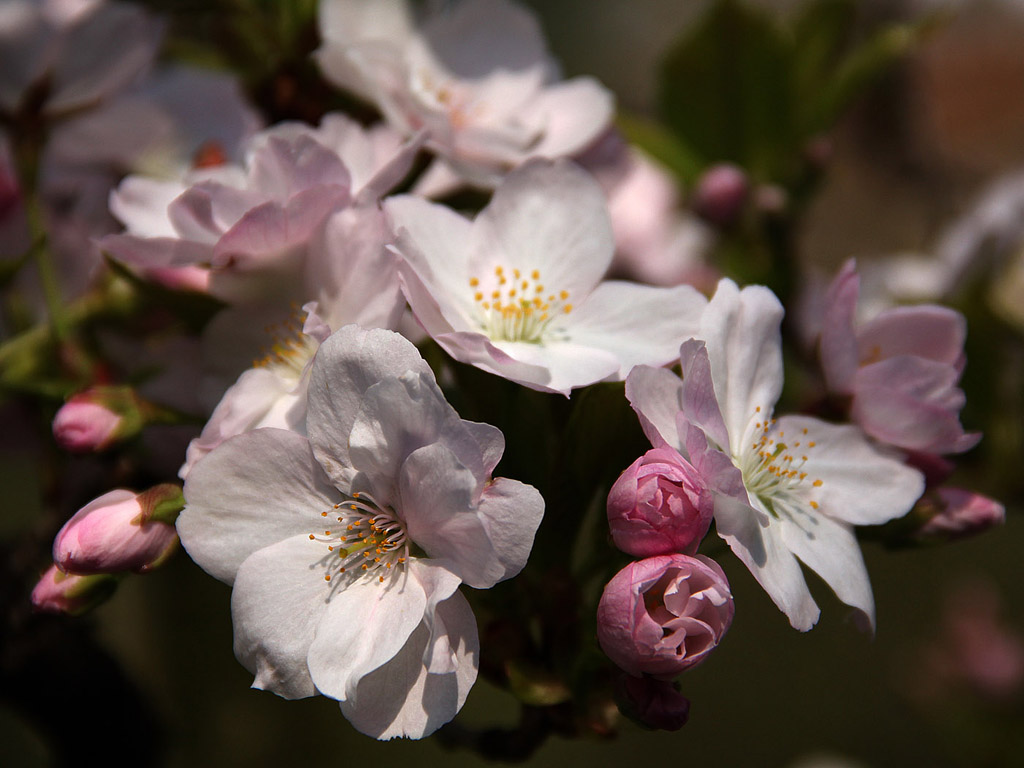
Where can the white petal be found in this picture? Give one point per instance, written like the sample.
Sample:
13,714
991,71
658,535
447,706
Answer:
656,396
278,600
573,114
487,538
365,625
402,698
830,549
252,491
760,547
347,364
860,485
551,217
741,329
567,365
639,324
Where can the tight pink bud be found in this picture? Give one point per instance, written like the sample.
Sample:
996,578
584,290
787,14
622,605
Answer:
961,513
665,614
120,531
59,592
95,419
721,193
659,505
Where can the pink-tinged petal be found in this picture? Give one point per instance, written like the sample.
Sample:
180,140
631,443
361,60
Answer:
760,547
572,114
931,332
912,403
141,205
476,349
351,21
639,324
433,241
697,400
389,174
268,229
278,601
351,361
157,252
351,273
281,168
252,491
396,417
364,627
839,356
656,396
550,217
860,485
830,549
566,365
402,698
191,214
741,330
438,180
486,536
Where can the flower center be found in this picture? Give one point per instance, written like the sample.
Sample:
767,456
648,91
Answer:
290,349
516,307
363,538
773,470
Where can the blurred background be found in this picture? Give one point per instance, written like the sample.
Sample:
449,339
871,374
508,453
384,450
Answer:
942,682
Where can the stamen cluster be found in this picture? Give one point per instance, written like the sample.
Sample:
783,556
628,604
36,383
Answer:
514,307
369,540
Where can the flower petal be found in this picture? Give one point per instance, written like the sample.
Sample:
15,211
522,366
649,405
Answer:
346,365
639,324
656,396
278,600
364,627
487,536
860,485
402,698
252,491
741,329
759,545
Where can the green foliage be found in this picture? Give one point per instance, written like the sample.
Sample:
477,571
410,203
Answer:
745,87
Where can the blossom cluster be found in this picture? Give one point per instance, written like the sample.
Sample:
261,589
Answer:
334,485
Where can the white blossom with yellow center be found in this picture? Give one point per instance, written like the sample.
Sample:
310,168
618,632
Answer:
788,490
518,291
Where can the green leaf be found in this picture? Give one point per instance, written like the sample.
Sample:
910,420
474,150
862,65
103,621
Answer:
661,144
821,33
726,89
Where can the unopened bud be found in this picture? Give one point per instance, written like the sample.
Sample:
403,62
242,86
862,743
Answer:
120,531
97,418
652,703
958,513
59,592
721,194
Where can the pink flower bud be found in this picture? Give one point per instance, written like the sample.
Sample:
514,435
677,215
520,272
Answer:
59,592
665,614
659,505
721,193
961,513
120,531
95,419
654,703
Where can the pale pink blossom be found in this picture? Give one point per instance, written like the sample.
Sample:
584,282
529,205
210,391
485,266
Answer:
665,614
119,532
900,369
518,291
787,490
476,76
390,470
659,505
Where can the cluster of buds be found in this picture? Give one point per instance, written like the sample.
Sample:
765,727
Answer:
663,614
118,533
